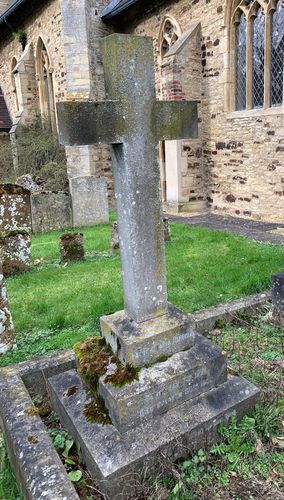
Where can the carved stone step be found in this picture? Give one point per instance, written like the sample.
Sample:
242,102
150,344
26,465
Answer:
164,385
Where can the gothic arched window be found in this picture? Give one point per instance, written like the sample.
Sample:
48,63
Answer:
169,33
44,77
257,47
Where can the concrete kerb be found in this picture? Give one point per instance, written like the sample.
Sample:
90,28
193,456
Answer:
37,464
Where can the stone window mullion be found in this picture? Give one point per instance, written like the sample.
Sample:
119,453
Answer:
267,61
249,64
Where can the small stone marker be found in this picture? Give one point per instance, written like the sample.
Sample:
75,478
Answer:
178,401
278,299
114,244
167,229
15,246
7,333
71,247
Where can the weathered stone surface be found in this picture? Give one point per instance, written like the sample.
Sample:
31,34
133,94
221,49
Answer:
89,201
15,247
115,459
30,182
144,343
38,467
50,210
164,385
7,332
277,294
133,122
71,247
15,209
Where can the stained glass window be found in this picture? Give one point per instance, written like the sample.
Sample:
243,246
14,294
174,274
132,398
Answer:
277,55
258,59
241,64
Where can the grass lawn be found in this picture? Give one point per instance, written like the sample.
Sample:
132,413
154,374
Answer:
54,306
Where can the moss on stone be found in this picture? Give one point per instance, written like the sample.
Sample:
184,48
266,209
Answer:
123,375
96,412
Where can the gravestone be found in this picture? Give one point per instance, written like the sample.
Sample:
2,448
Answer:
71,247
7,333
50,210
277,293
181,390
15,227
89,201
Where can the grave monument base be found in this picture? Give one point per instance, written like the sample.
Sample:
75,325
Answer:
117,461
145,343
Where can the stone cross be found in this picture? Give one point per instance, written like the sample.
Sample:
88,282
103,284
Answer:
133,122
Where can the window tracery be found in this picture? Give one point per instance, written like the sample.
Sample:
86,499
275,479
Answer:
44,77
169,33
257,53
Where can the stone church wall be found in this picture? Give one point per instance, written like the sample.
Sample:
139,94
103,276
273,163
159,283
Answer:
45,23
242,155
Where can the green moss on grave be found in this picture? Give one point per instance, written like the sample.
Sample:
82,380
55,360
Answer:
71,391
123,375
96,412
32,410
93,358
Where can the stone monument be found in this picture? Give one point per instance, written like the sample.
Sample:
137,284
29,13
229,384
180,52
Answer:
277,293
179,391
7,333
15,228
71,246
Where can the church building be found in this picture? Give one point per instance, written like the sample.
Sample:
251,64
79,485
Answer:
226,54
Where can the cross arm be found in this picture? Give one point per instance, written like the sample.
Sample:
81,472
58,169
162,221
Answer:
88,122
176,120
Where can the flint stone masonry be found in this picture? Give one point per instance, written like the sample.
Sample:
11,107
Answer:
278,298
164,385
50,210
15,209
71,247
111,456
15,247
144,343
7,332
89,201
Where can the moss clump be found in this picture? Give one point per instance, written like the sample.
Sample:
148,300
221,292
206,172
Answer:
93,357
123,375
96,412
33,439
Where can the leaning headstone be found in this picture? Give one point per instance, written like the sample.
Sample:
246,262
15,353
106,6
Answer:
7,333
278,299
89,201
31,183
71,247
181,392
15,246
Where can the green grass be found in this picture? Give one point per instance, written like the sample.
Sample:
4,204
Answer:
54,306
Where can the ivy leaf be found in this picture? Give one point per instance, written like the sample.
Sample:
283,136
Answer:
75,475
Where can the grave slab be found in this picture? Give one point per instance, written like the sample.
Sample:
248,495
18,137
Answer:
164,385
114,459
144,343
